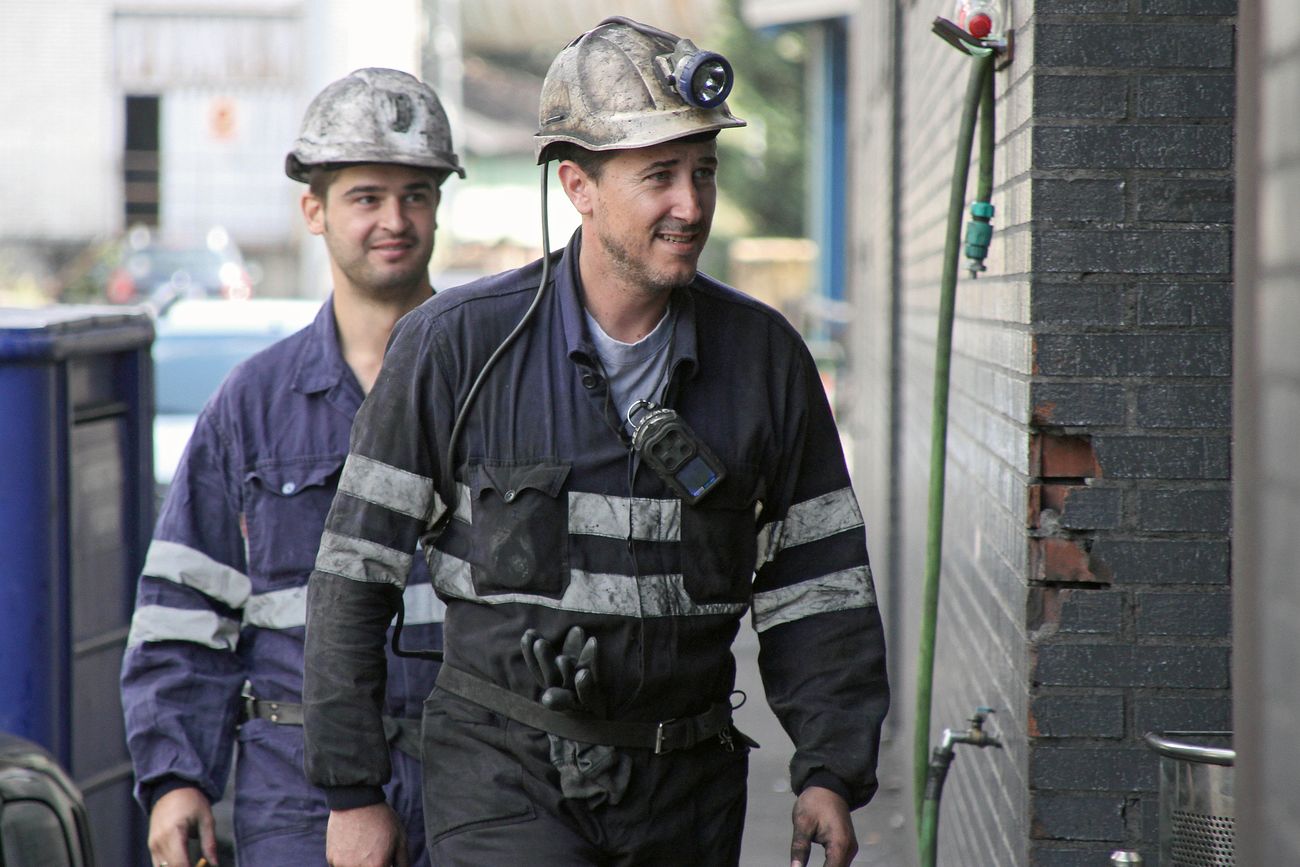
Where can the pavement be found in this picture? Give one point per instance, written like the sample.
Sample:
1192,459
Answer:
885,835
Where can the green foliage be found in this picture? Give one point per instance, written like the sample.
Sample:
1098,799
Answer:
763,170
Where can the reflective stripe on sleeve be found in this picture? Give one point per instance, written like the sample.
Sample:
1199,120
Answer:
161,623
421,605
818,518
361,560
612,517
181,564
279,609
287,609
392,488
838,591
588,592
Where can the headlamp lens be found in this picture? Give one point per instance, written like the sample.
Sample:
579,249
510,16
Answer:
704,79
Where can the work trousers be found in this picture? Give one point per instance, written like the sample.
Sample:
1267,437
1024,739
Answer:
492,796
280,818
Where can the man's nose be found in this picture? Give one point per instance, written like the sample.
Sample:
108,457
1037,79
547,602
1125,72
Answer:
687,204
392,216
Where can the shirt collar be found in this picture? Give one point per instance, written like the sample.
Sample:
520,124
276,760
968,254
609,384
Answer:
320,364
568,289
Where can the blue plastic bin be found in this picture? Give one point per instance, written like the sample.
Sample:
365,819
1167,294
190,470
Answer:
76,508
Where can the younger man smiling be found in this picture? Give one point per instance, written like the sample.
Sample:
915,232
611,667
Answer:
215,654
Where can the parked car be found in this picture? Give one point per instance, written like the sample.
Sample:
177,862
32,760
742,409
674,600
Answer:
154,270
198,342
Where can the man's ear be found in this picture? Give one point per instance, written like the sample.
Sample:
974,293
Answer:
313,212
578,186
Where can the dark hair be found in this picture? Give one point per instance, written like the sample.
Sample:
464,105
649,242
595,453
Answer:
321,175
593,162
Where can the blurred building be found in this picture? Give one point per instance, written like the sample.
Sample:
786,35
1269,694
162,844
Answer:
174,114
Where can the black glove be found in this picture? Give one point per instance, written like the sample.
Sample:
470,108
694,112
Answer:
568,679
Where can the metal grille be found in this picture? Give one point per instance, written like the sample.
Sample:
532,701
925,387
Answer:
1202,840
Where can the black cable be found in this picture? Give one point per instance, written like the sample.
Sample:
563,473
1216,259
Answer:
450,505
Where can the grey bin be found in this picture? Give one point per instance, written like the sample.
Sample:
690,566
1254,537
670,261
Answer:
1197,812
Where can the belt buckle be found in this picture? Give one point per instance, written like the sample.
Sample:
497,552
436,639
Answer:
659,736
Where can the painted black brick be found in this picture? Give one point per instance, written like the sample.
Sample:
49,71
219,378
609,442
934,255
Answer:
1185,304
1136,46
1095,770
1205,251
1097,715
1184,406
1185,510
1077,817
1133,147
1079,96
1189,7
1090,508
1183,200
1059,199
1182,713
1077,403
1092,612
1073,304
1201,614
1206,96
1105,665
1054,856
1153,354
1087,7
1162,561
1162,457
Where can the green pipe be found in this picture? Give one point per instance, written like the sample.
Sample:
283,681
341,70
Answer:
980,82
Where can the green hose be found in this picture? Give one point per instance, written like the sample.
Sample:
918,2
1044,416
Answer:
979,100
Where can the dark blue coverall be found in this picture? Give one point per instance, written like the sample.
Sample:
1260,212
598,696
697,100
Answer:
222,601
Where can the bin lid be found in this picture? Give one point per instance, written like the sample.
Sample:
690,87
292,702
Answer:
61,331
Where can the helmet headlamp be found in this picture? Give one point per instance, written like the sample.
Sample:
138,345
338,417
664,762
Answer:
701,78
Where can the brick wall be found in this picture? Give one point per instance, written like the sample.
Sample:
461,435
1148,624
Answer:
1267,508
1086,557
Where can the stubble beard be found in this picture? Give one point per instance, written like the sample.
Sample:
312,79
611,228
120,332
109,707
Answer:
376,284
635,273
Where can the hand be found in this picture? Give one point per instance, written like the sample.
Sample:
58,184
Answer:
822,816
369,836
172,820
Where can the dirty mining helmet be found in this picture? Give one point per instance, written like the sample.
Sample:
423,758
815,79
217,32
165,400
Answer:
374,116
628,85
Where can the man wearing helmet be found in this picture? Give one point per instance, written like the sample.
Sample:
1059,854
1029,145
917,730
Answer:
606,473
215,654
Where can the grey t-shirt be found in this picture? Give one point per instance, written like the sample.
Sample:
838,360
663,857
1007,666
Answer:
636,371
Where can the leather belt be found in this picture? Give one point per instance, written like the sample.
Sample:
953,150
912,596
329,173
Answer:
660,737
402,734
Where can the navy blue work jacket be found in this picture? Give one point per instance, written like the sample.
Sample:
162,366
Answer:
556,524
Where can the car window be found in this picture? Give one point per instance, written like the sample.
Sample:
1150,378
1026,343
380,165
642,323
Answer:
188,368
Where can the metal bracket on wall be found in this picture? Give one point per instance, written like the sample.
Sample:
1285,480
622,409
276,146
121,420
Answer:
967,44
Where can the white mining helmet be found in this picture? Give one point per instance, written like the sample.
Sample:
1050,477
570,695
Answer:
374,116
629,85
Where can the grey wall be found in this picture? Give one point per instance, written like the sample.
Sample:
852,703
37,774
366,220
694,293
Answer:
1085,586
1267,492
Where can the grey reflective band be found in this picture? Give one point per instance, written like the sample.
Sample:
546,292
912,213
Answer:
818,518
421,605
279,609
390,487
161,623
839,591
361,560
181,564
588,592
287,609
613,517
